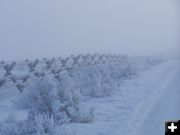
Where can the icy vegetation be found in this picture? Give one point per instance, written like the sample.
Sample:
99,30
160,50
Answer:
52,103
102,80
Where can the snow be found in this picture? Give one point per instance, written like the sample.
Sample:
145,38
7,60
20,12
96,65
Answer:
166,109
140,106
130,110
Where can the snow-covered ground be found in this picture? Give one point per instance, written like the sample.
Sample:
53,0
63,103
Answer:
166,109
139,107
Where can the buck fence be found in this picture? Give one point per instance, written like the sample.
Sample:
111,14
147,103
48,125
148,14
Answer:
18,74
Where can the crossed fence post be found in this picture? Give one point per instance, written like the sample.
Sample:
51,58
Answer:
8,68
64,61
32,65
49,63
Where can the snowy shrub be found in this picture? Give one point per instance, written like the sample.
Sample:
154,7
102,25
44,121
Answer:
41,125
40,97
59,99
102,80
99,80
70,97
45,124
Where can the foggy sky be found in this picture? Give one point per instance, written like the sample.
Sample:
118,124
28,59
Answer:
51,28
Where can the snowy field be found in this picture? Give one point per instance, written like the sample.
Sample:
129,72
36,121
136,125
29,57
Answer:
99,101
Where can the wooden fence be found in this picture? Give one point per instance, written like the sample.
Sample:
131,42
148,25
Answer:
18,74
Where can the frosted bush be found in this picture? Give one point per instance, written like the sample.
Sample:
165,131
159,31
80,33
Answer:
98,80
103,79
40,97
59,99
70,97
42,125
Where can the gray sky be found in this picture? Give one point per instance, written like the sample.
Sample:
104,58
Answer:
47,28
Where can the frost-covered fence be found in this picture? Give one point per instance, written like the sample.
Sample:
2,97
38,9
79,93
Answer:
17,74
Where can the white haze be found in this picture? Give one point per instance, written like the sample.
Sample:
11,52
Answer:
51,28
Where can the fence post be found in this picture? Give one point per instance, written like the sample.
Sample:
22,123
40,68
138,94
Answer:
8,68
32,65
20,87
49,63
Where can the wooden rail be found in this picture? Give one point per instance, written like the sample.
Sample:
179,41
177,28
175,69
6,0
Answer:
19,73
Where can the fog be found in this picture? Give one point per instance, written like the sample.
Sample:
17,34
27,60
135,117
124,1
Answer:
50,28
